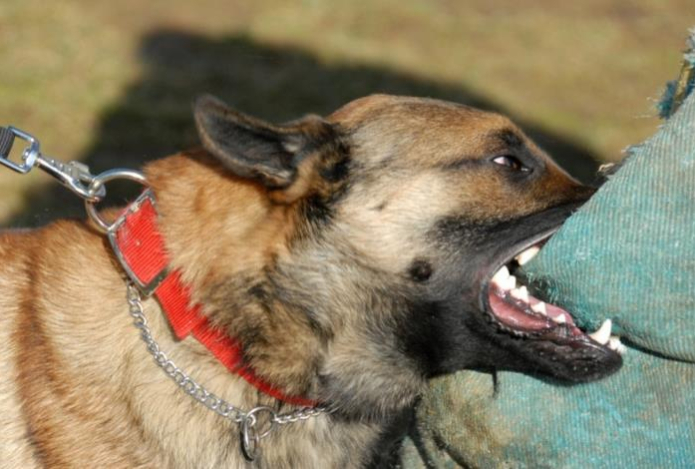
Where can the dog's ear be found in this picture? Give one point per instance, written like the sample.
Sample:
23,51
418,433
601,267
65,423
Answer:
254,149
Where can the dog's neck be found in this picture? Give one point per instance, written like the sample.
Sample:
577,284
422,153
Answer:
247,282
228,271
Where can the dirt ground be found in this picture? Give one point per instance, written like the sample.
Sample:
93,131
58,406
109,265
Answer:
110,83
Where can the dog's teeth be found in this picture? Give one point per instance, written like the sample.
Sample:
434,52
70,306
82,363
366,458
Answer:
561,319
603,333
539,308
520,293
615,344
501,275
509,283
523,291
527,255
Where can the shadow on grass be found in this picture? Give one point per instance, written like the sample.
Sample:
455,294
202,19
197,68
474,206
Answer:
153,118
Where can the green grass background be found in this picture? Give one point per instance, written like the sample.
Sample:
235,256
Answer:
110,83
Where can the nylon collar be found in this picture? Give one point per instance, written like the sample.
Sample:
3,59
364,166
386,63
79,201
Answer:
140,248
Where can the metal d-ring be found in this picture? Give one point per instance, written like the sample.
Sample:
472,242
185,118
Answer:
98,183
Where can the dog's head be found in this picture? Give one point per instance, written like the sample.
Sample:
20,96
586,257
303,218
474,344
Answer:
404,213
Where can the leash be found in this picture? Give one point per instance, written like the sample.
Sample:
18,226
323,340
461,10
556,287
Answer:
140,250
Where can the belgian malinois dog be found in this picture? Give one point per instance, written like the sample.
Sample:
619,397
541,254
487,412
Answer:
352,257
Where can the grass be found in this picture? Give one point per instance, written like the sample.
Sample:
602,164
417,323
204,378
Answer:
110,83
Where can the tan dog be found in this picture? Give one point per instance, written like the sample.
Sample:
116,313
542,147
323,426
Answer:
352,258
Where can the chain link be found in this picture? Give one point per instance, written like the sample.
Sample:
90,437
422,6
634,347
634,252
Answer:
247,421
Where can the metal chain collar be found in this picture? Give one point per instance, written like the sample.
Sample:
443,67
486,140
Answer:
247,421
77,177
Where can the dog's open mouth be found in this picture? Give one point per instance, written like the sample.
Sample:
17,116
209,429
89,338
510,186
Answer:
522,314
546,328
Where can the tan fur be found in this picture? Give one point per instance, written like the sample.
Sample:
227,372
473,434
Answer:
79,388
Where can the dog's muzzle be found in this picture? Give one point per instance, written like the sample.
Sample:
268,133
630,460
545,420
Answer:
543,332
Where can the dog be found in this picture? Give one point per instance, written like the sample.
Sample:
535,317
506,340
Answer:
351,257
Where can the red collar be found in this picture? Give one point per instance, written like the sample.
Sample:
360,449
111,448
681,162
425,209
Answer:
141,251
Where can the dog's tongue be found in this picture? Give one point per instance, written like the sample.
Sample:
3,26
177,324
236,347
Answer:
512,315
516,308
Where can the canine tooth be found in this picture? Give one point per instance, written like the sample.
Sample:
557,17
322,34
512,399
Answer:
527,255
561,319
509,283
539,308
603,333
520,293
501,275
615,344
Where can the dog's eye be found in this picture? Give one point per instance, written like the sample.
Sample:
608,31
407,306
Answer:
510,162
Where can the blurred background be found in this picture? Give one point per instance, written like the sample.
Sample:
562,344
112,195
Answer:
111,83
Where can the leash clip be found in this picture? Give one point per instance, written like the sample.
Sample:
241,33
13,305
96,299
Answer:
73,175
